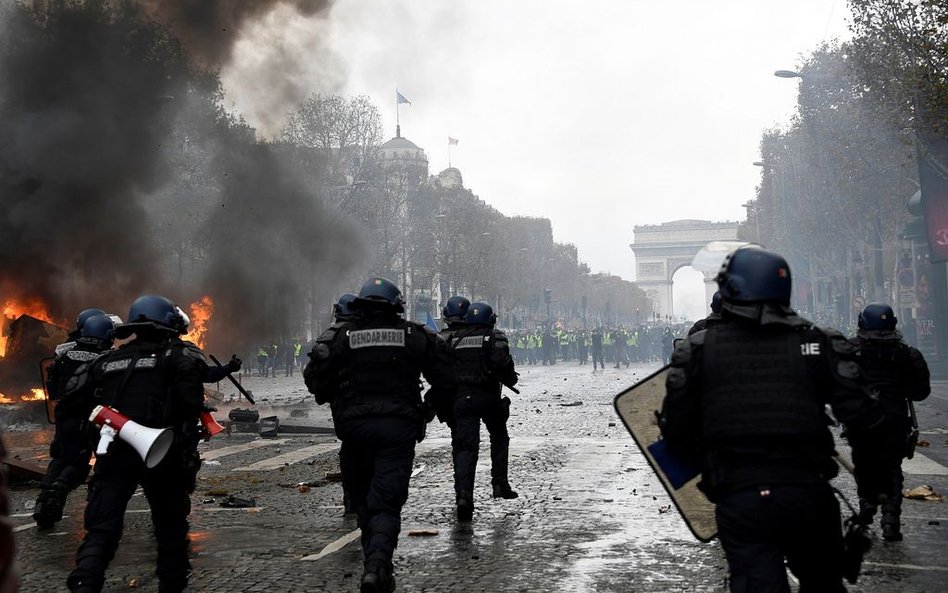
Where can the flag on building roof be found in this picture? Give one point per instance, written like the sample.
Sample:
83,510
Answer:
452,141
400,98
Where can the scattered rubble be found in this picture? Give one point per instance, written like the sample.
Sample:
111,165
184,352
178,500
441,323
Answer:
923,493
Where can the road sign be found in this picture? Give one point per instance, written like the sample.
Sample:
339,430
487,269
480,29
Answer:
906,277
907,296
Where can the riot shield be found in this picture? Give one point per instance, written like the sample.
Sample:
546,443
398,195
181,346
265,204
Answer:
45,365
637,406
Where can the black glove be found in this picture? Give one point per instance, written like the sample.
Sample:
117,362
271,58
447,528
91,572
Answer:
233,365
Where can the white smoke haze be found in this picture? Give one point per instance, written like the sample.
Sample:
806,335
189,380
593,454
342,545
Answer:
278,61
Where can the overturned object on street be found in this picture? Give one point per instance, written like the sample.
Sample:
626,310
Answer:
637,406
923,493
240,415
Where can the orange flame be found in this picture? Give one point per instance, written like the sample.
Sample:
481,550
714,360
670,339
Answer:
36,394
13,308
200,313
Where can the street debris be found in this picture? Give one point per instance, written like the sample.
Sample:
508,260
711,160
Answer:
923,493
422,532
333,476
303,488
923,443
571,404
133,583
664,509
235,502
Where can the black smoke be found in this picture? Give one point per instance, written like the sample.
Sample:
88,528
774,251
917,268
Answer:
120,174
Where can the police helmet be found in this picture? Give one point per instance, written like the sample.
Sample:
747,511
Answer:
716,302
342,310
456,308
480,314
98,328
85,315
752,274
878,316
157,312
184,322
378,291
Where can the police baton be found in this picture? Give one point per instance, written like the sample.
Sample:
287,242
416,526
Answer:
514,389
239,387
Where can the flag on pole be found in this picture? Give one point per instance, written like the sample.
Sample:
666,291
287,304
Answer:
452,141
400,98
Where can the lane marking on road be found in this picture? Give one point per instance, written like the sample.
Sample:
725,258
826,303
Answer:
289,458
234,449
906,566
922,465
336,545
140,511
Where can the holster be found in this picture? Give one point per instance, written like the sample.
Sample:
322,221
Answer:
911,441
505,407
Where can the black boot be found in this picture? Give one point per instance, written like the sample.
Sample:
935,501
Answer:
465,506
348,505
377,580
867,510
891,528
49,506
503,490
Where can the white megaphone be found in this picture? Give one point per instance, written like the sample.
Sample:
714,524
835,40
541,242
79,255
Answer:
152,444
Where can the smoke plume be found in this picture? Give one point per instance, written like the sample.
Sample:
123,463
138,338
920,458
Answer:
121,175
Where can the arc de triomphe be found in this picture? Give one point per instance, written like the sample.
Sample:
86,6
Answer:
663,249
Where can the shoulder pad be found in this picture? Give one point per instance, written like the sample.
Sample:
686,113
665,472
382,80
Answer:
697,338
499,336
840,344
320,351
330,334
191,351
686,348
65,347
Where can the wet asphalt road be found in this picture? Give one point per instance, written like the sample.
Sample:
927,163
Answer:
591,516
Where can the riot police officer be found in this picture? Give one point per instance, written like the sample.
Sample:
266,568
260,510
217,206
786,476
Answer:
368,370
484,365
897,372
71,448
156,380
712,318
745,399
342,312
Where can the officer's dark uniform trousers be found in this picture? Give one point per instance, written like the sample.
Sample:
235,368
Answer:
469,409
69,454
801,519
116,477
70,450
376,458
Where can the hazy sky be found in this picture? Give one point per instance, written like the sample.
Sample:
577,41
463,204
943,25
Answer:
600,115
